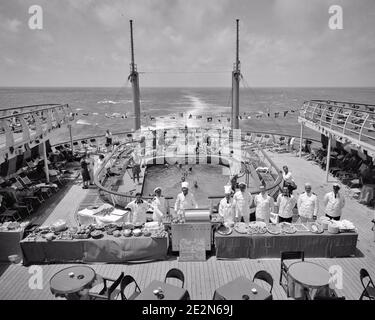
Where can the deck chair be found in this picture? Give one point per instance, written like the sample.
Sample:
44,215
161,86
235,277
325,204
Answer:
125,282
288,255
264,276
369,288
177,274
108,293
9,214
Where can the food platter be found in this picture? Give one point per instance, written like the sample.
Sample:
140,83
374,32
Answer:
240,227
274,228
223,230
287,228
301,227
96,234
257,227
316,228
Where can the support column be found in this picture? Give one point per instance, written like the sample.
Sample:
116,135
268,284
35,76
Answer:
300,141
70,136
45,160
328,155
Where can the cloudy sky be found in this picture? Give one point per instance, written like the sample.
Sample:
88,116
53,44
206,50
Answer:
283,42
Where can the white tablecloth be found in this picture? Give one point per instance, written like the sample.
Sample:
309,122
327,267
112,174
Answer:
87,216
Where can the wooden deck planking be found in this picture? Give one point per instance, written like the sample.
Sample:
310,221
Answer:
202,278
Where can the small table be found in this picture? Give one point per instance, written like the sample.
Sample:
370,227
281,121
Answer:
309,275
61,284
240,287
170,292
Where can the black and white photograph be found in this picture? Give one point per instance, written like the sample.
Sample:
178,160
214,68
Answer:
210,151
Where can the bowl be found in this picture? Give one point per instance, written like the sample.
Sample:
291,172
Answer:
14,258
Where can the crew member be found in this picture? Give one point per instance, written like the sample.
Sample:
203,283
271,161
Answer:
226,209
285,203
160,206
138,209
242,200
185,200
307,204
264,205
334,201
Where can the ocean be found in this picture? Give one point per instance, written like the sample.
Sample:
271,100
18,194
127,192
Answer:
111,108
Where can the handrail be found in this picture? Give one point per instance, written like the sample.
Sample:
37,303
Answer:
52,106
351,123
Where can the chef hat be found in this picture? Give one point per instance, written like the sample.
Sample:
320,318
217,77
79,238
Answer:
227,189
185,184
157,189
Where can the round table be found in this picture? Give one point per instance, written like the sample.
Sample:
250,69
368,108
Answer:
309,274
63,284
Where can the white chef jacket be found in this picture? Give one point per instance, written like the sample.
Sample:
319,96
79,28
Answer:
286,205
138,212
334,205
161,208
226,209
308,205
185,202
288,177
242,203
264,206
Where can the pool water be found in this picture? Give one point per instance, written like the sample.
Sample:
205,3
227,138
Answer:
210,179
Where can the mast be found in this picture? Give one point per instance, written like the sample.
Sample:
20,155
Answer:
236,74
134,79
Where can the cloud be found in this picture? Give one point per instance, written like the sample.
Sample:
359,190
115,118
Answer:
11,25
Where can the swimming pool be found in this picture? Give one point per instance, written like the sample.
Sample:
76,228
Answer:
209,177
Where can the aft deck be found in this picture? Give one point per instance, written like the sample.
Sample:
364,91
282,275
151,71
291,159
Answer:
202,278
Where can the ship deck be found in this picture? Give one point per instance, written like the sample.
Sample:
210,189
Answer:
202,278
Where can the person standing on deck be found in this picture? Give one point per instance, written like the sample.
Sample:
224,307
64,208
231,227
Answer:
308,204
242,200
264,205
334,202
285,204
108,140
288,180
160,206
136,169
138,209
185,200
85,172
226,209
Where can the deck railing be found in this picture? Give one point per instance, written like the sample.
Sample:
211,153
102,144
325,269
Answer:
355,122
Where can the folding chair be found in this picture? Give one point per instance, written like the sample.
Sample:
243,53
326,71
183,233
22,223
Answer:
108,293
264,276
126,281
177,274
369,288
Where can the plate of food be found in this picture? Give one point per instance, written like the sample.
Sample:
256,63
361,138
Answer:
128,226
301,227
240,227
316,228
257,227
274,228
96,234
137,232
224,230
127,233
287,228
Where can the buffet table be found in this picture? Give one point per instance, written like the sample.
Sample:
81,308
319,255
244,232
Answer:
237,245
10,244
108,249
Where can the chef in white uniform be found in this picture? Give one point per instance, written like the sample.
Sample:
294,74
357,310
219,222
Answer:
242,200
307,204
264,205
160,206
185,200
138,209
226,210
